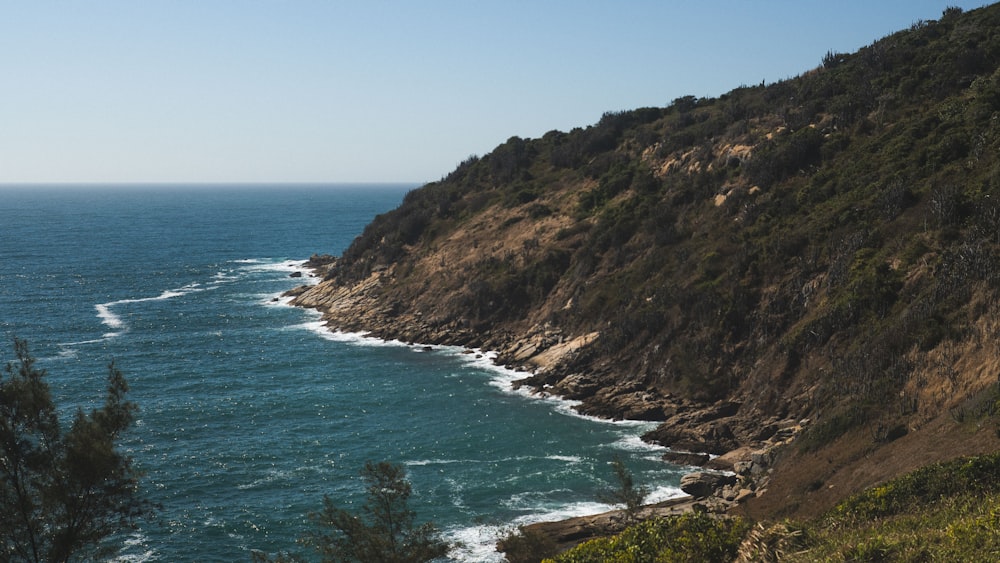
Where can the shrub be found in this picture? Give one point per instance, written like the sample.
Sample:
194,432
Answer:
694,536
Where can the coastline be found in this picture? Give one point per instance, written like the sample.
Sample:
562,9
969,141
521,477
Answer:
724,473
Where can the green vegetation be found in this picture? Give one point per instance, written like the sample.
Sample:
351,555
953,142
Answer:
384,531
943,512
525,545
826,247
626,493
690,537
63,493
810,233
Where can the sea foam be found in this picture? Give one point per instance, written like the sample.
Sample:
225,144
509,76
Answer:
478,542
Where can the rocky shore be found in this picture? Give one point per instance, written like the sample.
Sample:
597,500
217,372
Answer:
547,356
731,454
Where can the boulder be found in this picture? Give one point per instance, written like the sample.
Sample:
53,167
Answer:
744,494
577,386
713,437
702,484
686,458
728,460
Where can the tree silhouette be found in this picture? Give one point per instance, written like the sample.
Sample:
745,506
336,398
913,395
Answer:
626,493
62,493
385,530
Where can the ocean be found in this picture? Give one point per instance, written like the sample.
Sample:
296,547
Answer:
250,410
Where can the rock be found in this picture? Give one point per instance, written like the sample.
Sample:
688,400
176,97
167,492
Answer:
762,458
729,492
728,460
702,484
686,458
317,260
784,434
742,467
568,533
744,494
577,386
722,409
765,432
712,437
295,275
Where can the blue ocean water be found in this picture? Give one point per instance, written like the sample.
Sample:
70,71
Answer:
251,411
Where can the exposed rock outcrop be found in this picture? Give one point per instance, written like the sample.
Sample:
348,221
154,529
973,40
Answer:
702,484
821,247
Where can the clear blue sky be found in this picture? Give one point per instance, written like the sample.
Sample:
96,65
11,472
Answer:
370,90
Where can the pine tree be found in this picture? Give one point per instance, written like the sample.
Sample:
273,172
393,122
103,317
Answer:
63,493
385,530
626,493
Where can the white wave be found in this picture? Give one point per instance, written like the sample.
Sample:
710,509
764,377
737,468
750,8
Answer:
423,462
112,320
263,265
65,353
139,551
68,352
107,317
531,501
564,512
356,338
456,487
566,458
664,492
503,377
478,543
634,443
258,265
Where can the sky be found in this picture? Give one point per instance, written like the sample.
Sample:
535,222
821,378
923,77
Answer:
232,91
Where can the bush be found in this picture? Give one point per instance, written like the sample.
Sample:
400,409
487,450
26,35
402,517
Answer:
977,475
527,546
693,536
385,531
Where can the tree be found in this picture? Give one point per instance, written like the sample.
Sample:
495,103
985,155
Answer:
384,532
626,493
525,545
62,493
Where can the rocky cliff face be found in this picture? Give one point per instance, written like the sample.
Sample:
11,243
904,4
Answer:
825,247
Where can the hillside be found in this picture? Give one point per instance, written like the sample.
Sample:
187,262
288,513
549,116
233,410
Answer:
824,248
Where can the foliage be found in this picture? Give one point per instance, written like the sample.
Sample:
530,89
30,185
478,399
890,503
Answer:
526,546
626,493
946,511
63,493
943,512
825,232
384,531
694,536
973,476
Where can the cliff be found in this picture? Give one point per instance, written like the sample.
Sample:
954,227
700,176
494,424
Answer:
826,248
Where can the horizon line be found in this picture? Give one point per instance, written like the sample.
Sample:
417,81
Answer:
212,183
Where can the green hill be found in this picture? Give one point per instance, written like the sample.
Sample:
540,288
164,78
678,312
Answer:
826,248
